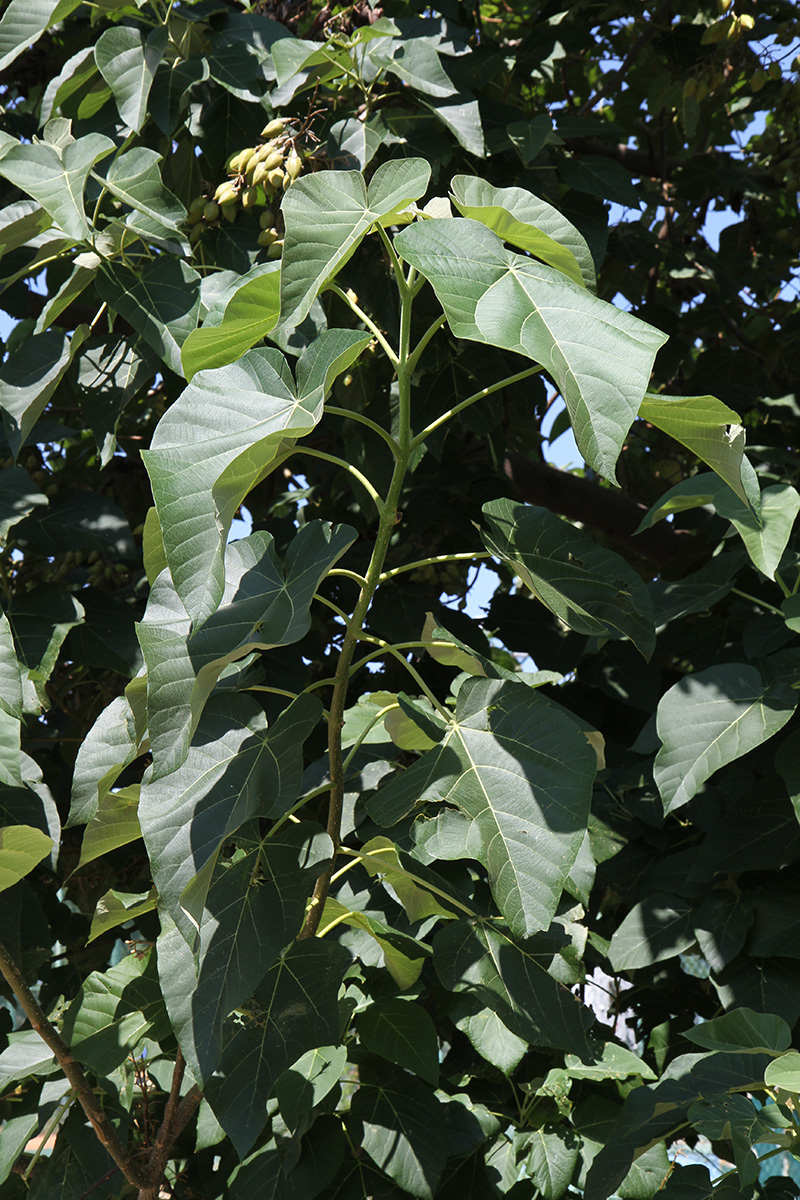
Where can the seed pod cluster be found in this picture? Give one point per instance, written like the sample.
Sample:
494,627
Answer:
257,178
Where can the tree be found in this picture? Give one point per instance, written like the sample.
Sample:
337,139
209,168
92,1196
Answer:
312,876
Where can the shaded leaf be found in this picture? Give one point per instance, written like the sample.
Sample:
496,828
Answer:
24,22
115,823
657,928
742,1031
402,1032
110,373
21,848
116,908
135,179
109,746
765,536
511,978
28,378
127,61
711,718
705,426
492,295
162,303
55,176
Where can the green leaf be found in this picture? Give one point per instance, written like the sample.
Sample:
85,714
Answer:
266,603
784,1072
254,908
511,978
135,179
114,824
24,22
162,303
294,1009
790,607
787,764
744,1031
521,772
599,176
489,294
25,1055
221,438
711,718
109,746
328,214
656,929
705,426
404,956
615,1062
463,119
765,536
10,677
127,61
28,379
591,589
552,1159
402,1031
41,619
251,312
236,769
309,1081
82,274
527,222
266,1173
694,492
415,62
409,880
55,176
399,1124
111,372
21,848
491,1038
153,554
78,521
21,223
76,72
17,1132
116,908
113,1011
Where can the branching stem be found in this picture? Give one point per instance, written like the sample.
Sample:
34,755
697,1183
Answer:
473,399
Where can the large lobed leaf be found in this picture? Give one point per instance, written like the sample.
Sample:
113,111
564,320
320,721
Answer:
521,771
219,439
599,357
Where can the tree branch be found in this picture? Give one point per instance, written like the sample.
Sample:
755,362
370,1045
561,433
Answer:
609,512
176,1114
133,1171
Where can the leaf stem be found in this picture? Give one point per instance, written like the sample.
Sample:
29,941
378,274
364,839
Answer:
345,574
466,556
423,341
133,1171
346,466
473,399
755,600
354,307
366,731
370,424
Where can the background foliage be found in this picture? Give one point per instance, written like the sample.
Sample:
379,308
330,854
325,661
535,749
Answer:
555,948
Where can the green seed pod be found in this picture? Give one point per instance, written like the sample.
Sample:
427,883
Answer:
275,250
197,205
229,210
267,237
250,197
273,128
194,217
273,159
211,211
275,178
267,219
293,165
261,174
225,192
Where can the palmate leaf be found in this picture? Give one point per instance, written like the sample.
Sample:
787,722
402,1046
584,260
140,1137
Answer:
264,1173
236,769
591,589
251,312
705,426
24,22
135,179
765,536
54,173
294,1009
29,377
521,771
219,439
528,222
403,1033
266,603
127,61
712,718
656,929
397,1120
327,215
253,909
599,357
742,1031
511,978
162,302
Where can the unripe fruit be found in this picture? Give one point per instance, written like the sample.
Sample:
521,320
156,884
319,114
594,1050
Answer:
293,165
225,193
273,128
273,159
267,219
746,22
267,237
275,250
229,210
723,6
238,163
250,197
261,174
211,211
757,80
275,178
194,217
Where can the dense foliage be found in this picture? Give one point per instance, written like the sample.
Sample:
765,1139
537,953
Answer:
319,880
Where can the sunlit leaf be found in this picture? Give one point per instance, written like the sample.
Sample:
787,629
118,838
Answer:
55,176
21,848
128,62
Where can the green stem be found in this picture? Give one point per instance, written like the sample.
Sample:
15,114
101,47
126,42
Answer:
755,600
423,341
397,267
416,879
373,425
368,729
362,316
362,662
782,585
345,466
467,556
481,395
343,573
389,518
